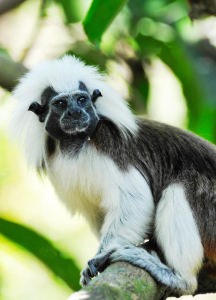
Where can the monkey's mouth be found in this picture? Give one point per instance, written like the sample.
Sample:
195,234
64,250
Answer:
74,127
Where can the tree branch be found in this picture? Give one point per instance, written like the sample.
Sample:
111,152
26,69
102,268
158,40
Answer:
10,72
6,5
121,281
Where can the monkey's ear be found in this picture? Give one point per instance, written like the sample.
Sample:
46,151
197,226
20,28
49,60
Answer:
96,94
39,110
35,107
82,87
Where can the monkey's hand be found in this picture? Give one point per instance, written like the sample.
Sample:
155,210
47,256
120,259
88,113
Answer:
94,266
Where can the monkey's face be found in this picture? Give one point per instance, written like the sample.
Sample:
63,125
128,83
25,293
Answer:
71,114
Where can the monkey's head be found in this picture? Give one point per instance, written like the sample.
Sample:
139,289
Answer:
63,98
69,113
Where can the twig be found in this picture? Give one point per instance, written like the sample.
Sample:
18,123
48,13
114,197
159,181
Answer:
10,72
6,5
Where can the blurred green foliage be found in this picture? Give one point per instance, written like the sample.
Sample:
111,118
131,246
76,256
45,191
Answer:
142,31
62,266
100,15
6,165
156,29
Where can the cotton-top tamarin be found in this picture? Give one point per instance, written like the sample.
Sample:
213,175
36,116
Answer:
133,179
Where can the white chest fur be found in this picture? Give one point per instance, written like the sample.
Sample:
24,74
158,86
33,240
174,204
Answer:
91,183
84,181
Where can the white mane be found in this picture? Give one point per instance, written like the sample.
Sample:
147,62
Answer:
63,75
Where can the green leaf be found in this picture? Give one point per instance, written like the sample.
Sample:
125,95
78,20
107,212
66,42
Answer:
74,10
61,265
4,52
99,17
201,112
148,46
139,86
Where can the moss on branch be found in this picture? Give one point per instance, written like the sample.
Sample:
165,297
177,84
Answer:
121,281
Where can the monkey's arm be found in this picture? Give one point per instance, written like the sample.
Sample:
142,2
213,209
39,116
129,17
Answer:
127,222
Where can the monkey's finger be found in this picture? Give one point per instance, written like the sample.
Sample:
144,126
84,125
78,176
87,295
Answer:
101,262
85,276
92,268
84,280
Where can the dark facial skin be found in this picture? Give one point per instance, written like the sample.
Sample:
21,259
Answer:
70,118
71,115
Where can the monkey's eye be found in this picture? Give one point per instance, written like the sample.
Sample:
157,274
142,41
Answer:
60,103
81,100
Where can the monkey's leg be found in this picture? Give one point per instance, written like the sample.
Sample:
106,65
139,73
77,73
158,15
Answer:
141,258
128,221
177,235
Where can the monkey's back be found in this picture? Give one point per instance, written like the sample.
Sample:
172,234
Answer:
173,153
170,155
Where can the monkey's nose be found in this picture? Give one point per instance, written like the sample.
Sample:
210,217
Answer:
74,114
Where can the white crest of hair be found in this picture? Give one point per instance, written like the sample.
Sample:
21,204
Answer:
93,185
177,233
63,75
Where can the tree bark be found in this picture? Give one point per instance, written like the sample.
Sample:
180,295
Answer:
122,281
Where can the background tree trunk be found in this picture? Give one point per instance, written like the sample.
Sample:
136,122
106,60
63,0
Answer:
200,8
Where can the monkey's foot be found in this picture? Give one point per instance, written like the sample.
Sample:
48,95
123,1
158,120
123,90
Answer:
94,266
151,263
